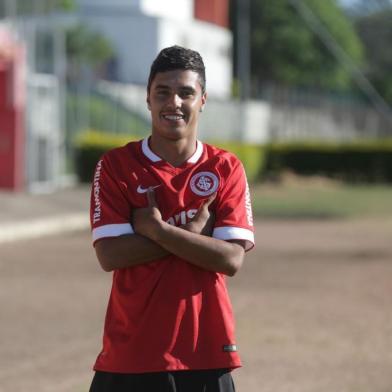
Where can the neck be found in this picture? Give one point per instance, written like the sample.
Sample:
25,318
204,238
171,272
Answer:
175,152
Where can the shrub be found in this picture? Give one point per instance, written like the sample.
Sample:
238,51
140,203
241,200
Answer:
91,145
365,161
252,157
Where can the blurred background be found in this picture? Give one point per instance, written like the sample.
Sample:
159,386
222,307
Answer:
302,85
299,90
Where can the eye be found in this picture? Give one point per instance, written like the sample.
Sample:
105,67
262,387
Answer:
187,93
161,94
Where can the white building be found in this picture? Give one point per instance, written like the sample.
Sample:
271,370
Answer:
139,29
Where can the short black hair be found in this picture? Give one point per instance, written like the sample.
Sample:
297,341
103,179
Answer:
177,57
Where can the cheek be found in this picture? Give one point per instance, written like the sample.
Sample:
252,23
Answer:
195,107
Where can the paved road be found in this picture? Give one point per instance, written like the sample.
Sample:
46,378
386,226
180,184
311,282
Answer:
52,299
27,216
312,304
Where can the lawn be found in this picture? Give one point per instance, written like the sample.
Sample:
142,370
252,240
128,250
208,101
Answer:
318,198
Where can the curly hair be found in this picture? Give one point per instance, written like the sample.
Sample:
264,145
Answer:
177,57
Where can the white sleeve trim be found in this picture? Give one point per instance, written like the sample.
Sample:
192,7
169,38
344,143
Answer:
235,233
112,230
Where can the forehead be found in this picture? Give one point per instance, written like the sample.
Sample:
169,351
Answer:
177,78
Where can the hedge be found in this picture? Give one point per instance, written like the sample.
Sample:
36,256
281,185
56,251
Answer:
92,144
365,161
251,155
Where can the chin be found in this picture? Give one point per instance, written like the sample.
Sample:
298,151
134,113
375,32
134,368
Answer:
174,133
175,136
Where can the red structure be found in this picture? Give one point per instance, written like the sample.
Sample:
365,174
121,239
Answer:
12,135
213,11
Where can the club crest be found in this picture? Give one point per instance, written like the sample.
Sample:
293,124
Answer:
204,183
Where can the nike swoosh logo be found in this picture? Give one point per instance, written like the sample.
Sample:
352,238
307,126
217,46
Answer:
144,190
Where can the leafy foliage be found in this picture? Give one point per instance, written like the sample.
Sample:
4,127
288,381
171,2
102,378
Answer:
34,7
91,145
365,161
86,46
375,31
287,51
355,162
251,155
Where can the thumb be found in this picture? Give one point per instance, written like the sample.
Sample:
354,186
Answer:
209,201
151,198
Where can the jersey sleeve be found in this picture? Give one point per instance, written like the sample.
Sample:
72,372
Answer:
110,211
234,219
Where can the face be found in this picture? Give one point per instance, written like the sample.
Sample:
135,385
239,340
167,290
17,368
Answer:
175,100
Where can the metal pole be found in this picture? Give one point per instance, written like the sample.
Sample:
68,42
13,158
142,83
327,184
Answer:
60,73
10,9
243,47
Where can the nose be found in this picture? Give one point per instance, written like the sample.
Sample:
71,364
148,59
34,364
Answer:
175,101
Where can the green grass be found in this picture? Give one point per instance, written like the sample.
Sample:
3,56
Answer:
103,114
320,199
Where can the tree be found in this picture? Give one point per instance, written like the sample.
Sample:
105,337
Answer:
286,50
375,31
85,47
33,7
365,7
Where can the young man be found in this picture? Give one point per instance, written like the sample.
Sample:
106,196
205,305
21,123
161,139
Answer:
171,217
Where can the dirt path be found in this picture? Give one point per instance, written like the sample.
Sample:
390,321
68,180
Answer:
313,308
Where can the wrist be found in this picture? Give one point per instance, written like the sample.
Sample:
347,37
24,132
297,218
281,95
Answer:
190,226
156,230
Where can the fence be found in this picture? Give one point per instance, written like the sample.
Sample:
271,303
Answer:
313,115
282,114
45,140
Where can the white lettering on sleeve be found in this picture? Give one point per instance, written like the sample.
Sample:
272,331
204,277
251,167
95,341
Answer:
248,205
96,192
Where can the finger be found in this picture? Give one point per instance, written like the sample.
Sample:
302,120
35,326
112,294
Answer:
151,198
208,202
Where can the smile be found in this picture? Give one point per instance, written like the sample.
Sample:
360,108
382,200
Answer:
173,117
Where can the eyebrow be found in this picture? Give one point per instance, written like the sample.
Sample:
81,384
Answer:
162,87
183,88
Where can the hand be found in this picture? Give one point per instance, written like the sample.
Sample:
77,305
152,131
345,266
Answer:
203,221
146,221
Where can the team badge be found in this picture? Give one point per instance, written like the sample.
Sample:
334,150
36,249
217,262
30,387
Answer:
204,183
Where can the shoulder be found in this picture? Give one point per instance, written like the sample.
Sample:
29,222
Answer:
122,151
120,155
114,162
226,158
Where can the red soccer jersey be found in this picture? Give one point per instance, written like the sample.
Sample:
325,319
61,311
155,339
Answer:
169,314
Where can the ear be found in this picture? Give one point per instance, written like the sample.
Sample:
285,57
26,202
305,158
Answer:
203,101
148,102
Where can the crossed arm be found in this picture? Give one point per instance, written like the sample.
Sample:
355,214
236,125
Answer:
156,238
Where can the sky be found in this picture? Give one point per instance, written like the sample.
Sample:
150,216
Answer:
347,2
350,2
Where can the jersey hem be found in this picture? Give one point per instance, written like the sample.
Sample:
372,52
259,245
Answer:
113,230
167,369
235,233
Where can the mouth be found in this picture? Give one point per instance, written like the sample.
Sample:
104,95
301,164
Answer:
173,117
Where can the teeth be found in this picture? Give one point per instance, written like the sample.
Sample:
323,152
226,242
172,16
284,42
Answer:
173,117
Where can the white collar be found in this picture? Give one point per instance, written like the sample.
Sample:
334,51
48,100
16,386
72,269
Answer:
155,158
